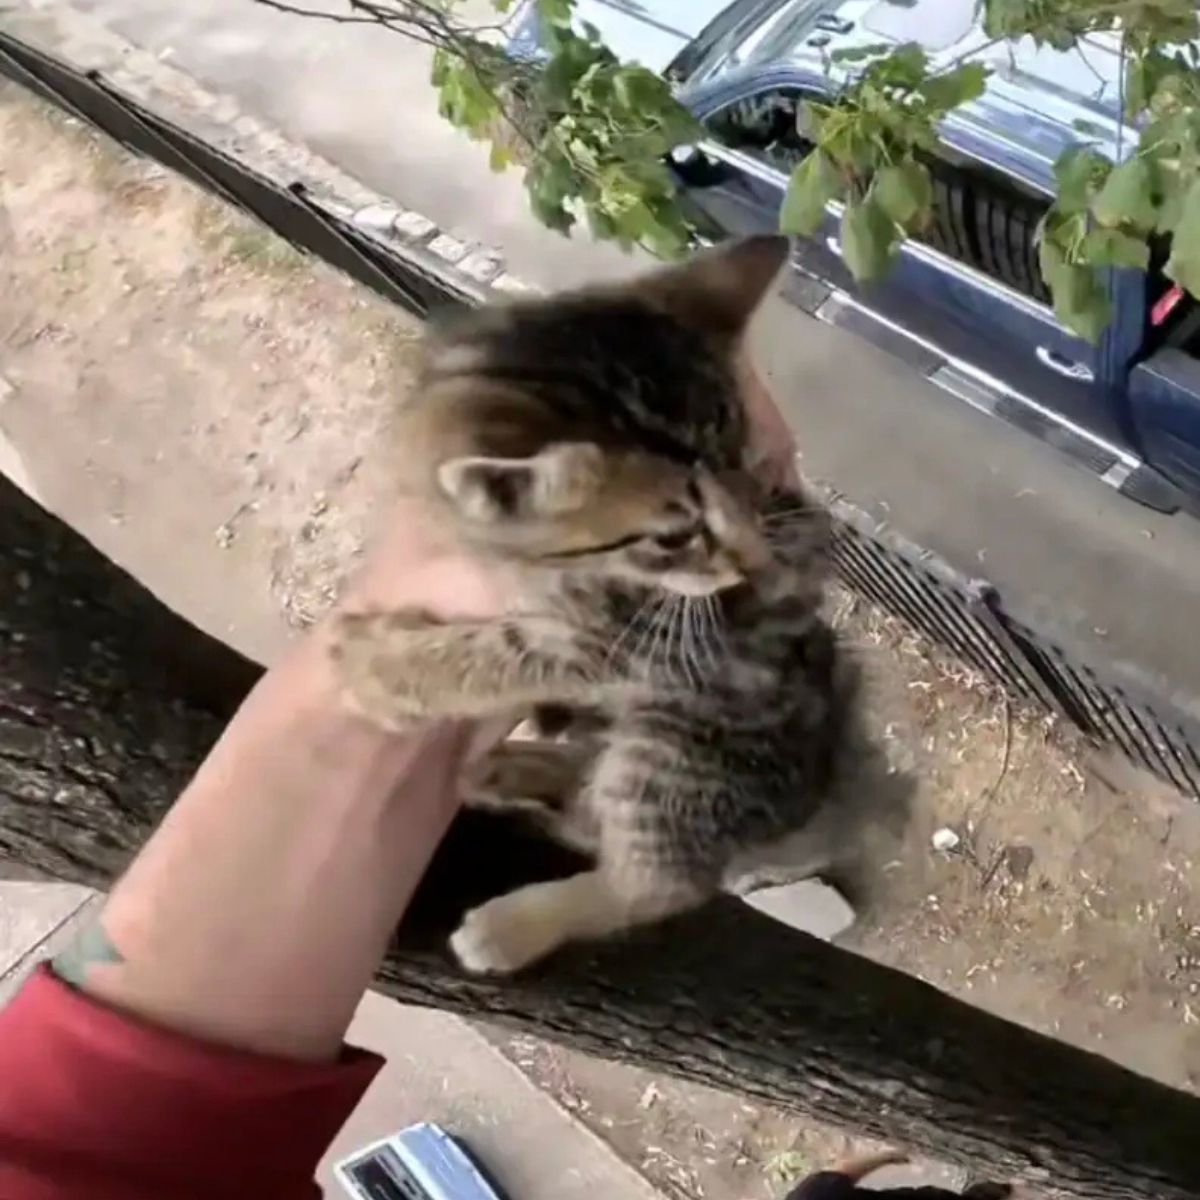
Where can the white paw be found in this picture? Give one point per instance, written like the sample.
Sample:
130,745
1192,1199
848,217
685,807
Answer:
496,939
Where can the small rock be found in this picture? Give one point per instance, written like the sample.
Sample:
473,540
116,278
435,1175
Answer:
945,839
1019,859
809,905
481,266
377,218
449,248
413,226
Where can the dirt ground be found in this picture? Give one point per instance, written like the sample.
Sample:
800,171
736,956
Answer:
212,409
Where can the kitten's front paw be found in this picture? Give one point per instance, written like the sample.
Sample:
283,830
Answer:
496,939
369,654
351,629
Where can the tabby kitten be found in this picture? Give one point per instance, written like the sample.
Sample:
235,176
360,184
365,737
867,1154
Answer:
597,443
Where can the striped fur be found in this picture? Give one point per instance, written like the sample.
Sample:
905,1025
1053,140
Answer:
596,443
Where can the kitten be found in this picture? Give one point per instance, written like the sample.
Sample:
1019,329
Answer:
596,442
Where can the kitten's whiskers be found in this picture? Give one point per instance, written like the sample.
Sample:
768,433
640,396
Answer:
643,650
622,639
691,625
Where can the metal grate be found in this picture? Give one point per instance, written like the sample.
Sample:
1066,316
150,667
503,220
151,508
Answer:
965,616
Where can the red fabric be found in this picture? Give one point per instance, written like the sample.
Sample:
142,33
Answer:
95,1105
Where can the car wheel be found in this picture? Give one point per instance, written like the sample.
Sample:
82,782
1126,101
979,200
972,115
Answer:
1007,232
947,231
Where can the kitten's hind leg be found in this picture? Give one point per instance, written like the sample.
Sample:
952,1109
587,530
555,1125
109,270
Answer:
534,769
539,781
398,667
512,931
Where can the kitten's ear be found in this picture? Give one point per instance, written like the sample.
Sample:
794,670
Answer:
560,479
719,289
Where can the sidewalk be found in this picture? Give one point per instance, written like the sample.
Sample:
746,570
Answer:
440,1069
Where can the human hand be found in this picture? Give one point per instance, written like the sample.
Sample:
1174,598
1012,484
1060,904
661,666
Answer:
415,561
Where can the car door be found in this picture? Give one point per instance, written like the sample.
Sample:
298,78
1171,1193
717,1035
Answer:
938,304
1164,401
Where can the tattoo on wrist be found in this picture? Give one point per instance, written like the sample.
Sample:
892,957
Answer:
90,947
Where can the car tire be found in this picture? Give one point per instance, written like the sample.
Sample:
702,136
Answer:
947,231
1006,228
939,233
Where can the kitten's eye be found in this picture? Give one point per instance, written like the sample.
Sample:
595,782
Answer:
679,539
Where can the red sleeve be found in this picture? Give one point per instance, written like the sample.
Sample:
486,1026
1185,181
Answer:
96,1105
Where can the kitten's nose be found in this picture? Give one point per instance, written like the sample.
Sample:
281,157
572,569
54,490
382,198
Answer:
734,525
740,486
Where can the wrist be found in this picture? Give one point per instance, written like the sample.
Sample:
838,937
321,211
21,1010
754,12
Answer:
299,738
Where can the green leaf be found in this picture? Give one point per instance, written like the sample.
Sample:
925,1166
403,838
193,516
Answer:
1079,171
1129,195
869,239
860,53
1112,248
600,223
1080,301
1173,201
1184,264
813,184
441,64
905,193
583,154
905,68
500,158
555,12
667,240
905,64
1006,18
1143,77
549,185
965,83
1052,259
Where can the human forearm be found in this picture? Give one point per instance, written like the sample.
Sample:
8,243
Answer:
258,911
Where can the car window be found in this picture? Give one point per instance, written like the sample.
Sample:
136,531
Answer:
766,125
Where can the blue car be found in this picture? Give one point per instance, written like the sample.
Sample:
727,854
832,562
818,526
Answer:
965,305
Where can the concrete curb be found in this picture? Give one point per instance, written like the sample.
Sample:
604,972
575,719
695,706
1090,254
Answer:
79,39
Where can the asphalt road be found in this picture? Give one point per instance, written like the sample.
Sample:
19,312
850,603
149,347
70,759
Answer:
1068,554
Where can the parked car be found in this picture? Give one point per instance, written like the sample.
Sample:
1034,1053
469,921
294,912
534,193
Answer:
966,304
